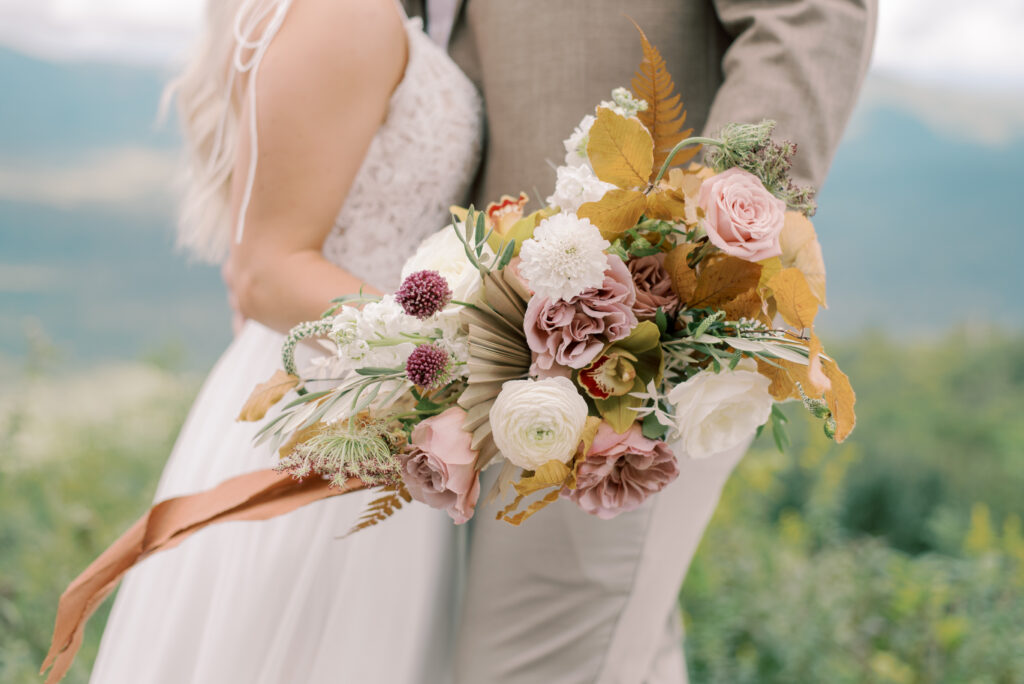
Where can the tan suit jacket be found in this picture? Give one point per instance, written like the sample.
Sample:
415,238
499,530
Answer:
542,64
566,597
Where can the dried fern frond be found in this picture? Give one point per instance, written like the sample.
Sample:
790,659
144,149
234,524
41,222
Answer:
383,507
498,352
664,116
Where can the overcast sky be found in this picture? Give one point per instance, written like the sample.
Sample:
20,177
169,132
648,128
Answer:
977,42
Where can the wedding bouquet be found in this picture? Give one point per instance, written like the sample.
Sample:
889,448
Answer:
643,314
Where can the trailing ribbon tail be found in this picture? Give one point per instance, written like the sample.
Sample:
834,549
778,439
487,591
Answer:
259,495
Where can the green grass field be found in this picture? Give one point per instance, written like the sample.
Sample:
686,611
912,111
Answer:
896,557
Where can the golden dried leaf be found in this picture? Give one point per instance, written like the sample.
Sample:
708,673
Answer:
664,116
620,150
722,280
688,183
793,296
801,250
666,203
769,269
819,381
841,399
745,305
266,394
684,278
615,213
551,474
784,380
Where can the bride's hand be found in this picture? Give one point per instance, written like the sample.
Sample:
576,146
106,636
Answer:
322,92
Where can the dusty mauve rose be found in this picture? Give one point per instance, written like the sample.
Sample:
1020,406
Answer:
621,471
437,466
653,287
741,217
573,332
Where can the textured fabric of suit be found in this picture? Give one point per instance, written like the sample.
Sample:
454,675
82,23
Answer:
567,597
542,64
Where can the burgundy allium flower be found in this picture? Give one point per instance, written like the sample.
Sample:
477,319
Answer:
423,294
428,366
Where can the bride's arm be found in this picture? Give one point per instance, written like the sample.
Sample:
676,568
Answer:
322,92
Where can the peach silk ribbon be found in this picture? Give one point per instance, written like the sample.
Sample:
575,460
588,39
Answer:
259,495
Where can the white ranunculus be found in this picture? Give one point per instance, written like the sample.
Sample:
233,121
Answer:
716,412
444,252
536,421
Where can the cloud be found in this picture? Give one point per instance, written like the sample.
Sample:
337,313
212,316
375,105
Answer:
138,31
947,41
116,176
989,117
975,43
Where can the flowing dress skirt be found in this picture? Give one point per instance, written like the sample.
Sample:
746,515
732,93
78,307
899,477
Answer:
284,600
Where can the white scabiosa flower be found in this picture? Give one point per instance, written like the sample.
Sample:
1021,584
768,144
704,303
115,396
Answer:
716,412
575,186
576,144
564,257
536,421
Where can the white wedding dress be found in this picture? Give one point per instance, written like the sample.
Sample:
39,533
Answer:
288,600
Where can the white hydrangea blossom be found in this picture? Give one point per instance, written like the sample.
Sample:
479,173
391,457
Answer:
355,331
576,144
451,337
564,257
624,104
575,186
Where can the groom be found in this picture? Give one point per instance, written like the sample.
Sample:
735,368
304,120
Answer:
568,597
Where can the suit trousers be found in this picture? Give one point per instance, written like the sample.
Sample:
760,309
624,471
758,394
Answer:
570,598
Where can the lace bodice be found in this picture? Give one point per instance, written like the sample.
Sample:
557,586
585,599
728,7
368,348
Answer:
421,161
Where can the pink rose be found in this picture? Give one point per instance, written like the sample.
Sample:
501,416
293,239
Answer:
573,332
437,467
741,217
653,287
621,471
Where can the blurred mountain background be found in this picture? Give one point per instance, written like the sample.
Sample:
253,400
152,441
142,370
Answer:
919,220
895,557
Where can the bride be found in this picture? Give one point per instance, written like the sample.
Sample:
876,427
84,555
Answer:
326,139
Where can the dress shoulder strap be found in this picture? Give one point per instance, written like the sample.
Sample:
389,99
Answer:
248,55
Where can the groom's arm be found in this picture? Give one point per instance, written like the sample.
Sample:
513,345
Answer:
800,62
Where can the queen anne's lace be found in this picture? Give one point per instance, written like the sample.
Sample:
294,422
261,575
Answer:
421,161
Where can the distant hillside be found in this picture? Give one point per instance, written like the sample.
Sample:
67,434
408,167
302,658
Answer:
919,218
49,109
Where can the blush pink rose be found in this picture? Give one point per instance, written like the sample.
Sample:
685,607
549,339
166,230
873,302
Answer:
653,287
621,471
437,467
573,332
741,217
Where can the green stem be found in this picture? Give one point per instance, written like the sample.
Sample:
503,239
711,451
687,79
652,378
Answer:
684,143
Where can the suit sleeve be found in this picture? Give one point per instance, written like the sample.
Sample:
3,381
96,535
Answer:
799,62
